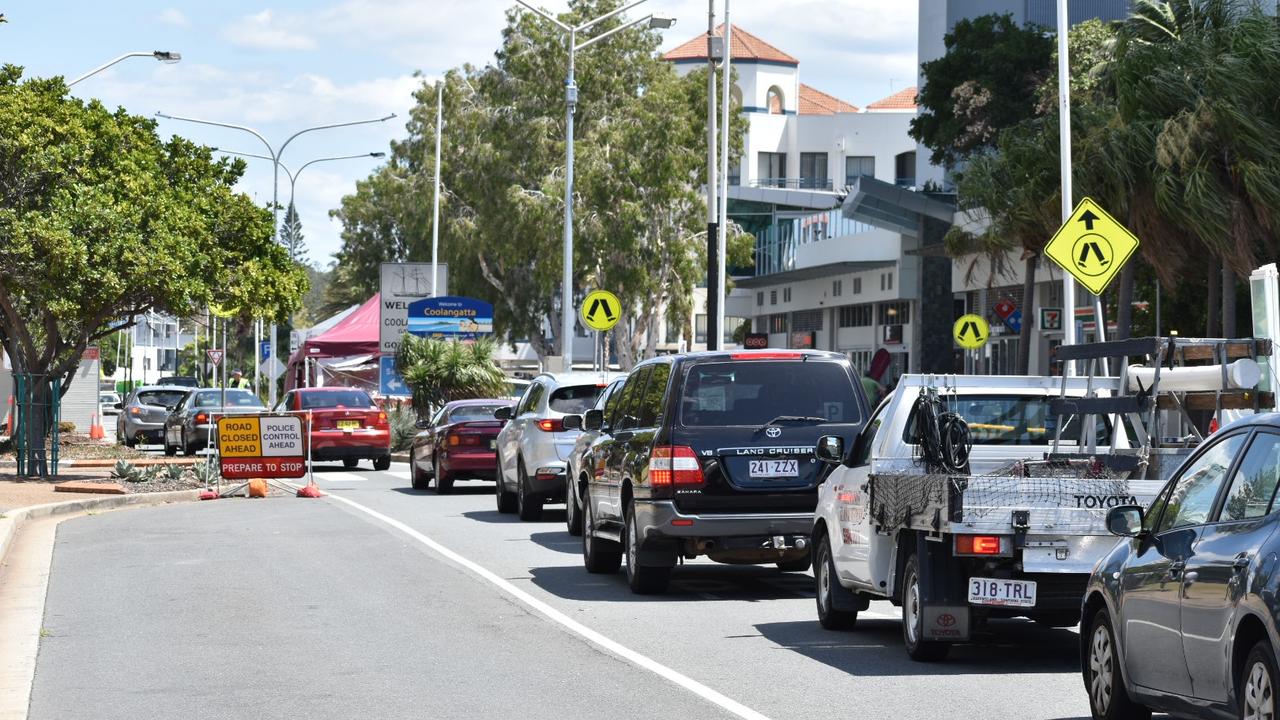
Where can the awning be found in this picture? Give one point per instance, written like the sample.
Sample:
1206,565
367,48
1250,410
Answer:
894,208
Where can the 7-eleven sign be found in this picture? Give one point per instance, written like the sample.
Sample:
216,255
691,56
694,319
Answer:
1050,318
215,356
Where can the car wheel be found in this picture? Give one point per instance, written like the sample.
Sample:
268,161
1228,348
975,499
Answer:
1103,677
417,477
506,498
918,648
826,585
349,463
599,556
444,480
572,507
1258,686
643,579
130,442
794,565
529,506
169,450
382,463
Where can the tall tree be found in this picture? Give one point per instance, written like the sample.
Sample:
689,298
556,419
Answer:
101,220
291,235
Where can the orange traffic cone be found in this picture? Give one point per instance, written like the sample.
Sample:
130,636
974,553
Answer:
95,429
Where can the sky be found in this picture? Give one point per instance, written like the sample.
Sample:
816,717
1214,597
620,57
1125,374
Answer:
285,65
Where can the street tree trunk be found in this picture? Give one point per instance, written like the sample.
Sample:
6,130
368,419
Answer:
1028,314
1213,325
1124,303
1228,301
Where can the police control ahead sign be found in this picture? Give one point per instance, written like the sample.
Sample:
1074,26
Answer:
262,446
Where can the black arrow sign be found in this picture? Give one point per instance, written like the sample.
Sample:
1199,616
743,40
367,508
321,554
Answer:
1087,218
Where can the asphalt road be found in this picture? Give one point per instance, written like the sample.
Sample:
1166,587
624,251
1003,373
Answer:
316,608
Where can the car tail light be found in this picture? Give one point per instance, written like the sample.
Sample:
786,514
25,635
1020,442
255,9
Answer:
550,472
551,425
766,356
671,465
377,419
202,418
462,438
977,544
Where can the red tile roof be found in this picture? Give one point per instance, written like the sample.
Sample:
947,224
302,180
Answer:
816,102
745,47
904,99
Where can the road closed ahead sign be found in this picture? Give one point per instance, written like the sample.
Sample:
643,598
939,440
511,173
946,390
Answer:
262,446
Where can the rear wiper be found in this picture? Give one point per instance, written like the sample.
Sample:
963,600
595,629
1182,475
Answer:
792,418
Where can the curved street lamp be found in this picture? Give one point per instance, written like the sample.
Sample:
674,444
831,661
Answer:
164,56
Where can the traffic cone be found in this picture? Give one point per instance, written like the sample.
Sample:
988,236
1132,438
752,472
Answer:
310,490
95,429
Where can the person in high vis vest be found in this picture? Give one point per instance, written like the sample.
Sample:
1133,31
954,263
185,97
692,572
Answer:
238,380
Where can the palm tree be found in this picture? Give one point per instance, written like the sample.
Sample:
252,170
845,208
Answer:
438,371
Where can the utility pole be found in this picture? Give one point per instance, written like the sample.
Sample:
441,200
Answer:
713,237
1064,152
722,241
435,203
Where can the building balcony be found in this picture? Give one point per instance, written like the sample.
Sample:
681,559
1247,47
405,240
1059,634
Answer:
814,240
802,183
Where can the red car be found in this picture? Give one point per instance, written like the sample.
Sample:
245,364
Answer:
346,425
458,441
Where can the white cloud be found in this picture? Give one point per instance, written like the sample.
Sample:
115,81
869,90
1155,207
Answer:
263,32
174,17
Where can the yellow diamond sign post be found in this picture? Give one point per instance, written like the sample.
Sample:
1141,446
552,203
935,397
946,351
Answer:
1092,246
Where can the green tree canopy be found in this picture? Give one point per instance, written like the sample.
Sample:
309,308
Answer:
440,371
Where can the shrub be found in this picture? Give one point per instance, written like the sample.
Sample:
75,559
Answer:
67,427
402,428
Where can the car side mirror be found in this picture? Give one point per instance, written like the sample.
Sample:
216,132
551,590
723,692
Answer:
502,413
830,449
572,422
593,421
118,406
422,424
1125,521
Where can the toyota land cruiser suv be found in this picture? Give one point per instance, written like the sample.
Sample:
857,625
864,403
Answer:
713,454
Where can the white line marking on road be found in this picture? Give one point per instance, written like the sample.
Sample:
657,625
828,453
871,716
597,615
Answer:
566,622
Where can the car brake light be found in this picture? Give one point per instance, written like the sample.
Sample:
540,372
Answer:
551,425
202,418
766,356
456,439
674,465
977,544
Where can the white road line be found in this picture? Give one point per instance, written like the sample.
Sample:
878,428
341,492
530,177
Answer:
566,622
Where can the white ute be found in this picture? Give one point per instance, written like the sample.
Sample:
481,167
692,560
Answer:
955,549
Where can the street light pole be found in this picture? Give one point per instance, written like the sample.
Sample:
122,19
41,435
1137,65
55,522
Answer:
722,243
275,196
435,203
571,101
1064,152
713,237
163,56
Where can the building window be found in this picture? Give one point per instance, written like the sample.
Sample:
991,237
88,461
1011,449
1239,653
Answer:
778,323
672,333
904,169
881,282
731,325
774,101
771,169
773,297
837,288
857,286
760,298
806,320
813,171
895,313
890,280
855,316
858,166
786,294
700,328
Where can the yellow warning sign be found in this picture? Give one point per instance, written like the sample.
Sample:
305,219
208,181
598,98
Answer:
239,437
1092,246
601,310
971,331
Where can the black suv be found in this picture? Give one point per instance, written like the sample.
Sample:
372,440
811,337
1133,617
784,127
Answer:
712,454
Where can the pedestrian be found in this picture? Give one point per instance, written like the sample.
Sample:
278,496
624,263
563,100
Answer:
239,381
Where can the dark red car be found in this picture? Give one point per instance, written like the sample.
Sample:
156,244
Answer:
346,425
458,441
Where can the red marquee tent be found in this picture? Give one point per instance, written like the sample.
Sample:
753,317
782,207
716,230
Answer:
357,334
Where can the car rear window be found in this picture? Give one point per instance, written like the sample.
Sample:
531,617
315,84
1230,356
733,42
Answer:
472,413
754,392
1012,420
235,398
336,398
166,398
574,398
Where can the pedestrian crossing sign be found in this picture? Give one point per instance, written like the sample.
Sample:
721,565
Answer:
971,331
1092,246
601,310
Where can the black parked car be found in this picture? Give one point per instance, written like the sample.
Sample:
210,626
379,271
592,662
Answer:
580,462
1181,617
712,454
194,422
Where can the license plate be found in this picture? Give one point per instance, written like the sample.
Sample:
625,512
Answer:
1007,593
348,424
773,468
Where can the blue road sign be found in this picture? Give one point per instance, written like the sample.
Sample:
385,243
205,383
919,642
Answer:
390,384
264,351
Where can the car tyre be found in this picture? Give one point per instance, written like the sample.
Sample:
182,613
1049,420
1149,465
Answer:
794,565
643,579
528,505
918,648
599,556
572,508
506,498
349,463
130,442
1104,677
169,450
444,480
826,586
1257,691
418,477
382,463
